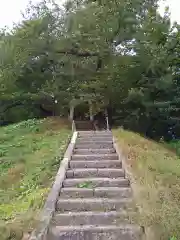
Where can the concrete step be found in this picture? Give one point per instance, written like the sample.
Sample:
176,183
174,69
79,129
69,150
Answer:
94,135
89,141
93,218
94,151
94,157
93,146
82,133
93,204
98,164
93,232
96,182
88,192
84,125
95,138
95,172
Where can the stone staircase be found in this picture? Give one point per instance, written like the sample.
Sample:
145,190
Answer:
95,202
84,125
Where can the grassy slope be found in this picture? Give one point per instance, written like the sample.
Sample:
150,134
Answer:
156,171
30,153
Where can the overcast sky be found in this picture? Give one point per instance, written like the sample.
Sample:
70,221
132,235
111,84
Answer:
10,10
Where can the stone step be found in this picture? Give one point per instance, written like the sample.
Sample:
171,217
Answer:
94,151
81,133
95,172
93,204
94,157
98,164
89,141
84,125
93,218
96,182
93,232
93,135
94,146
95,139
86,191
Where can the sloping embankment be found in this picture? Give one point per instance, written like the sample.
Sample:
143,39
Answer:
155,173
30,154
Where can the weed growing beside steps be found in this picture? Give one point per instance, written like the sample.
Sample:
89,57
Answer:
173,238
175,144
156,173
87,184
30,154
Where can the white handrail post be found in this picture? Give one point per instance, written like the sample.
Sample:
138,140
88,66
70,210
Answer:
107,123
90,111
107,120
73,126
71,113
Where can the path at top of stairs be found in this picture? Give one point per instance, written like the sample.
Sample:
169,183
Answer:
95,202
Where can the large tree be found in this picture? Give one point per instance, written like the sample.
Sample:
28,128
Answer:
118,52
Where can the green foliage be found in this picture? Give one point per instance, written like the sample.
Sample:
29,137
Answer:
30,154
87,184
175,144
121,53
173,238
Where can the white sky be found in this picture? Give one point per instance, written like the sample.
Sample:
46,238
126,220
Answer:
174,6
10,10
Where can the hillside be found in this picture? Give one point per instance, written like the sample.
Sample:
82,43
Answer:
30,154
155,173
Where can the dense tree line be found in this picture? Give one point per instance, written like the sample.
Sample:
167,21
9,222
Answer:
121,53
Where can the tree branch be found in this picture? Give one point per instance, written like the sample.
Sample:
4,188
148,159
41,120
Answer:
83,54
78,53
18,103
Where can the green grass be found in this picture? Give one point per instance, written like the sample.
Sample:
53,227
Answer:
87,184
30,154
175,144
155,170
